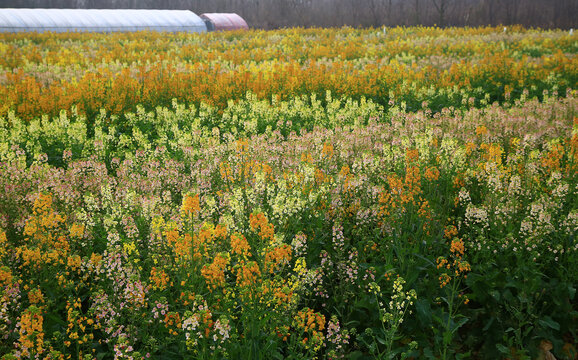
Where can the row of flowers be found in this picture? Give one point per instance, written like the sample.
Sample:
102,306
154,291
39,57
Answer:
44,74
417,235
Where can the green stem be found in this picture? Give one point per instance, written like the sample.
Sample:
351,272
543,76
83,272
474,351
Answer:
382,327
452,293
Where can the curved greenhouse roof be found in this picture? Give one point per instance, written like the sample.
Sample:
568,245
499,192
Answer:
224,21
62,20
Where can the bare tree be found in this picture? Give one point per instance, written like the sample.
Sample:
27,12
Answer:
270,14
511,8
376,9
491,7
442,7
416,12
300,9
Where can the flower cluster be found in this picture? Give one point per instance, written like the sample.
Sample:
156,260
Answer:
463,65
273,223
454,265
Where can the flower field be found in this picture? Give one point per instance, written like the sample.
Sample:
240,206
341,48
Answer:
289,194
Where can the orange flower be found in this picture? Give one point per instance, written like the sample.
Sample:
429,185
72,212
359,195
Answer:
411,156
259,221
470,147
172,236
95,260
159,279
311,325
481,130
3,244
450,231
319,176
77,230
493,153
172,321
432,173
240,246
214,273
444,279
327,151
248,274
255,220
74,262
31,339
306,157
551,160
457,247
413,179
5,276
220,231
191,205
241,146
42,204
424,210
276,257
441,262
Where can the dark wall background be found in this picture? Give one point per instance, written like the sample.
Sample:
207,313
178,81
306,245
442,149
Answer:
270,14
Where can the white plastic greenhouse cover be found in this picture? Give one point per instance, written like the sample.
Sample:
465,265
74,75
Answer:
62,20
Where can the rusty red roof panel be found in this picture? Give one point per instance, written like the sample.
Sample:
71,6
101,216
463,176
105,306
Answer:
225,21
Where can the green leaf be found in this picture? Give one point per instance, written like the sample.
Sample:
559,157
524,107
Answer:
380,339
356,355
459,324
55,319
423,310
571,292
429,353
489,324
549,322
503,349
437,319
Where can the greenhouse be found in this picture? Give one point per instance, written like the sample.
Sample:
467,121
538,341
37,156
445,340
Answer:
224,22
63,20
